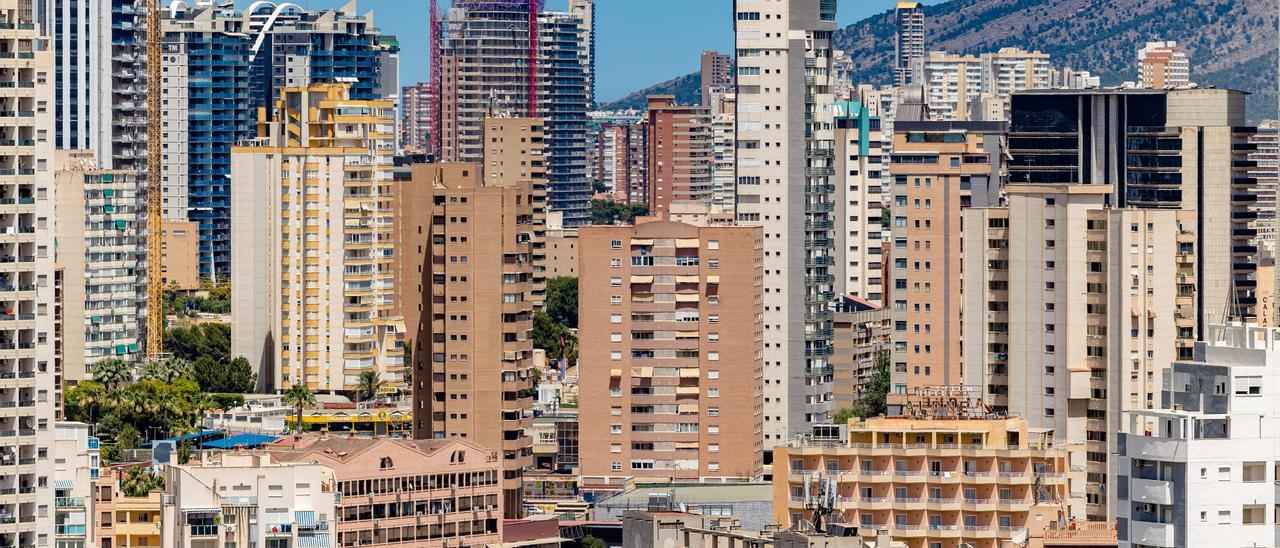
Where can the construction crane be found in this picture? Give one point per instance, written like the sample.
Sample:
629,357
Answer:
155,285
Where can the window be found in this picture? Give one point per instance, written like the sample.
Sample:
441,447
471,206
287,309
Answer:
615,299
615,281
616,244
1255,472
1224,473
615,262
615,428
1254,514
713,356
615,355
616,466
713,373
1224,517
1248,386
713,448
615,318
713,244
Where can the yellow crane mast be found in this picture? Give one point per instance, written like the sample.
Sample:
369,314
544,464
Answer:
155,285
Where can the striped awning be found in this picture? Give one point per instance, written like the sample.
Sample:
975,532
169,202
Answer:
63,484
305,518
686,243
313,541
687,279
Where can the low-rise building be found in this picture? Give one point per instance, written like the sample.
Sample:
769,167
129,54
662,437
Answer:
247,499
1201,469
74,471
120,520
748,503
386,486
945,476
860,335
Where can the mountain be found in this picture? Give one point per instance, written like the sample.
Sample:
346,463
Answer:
687,89
1231,43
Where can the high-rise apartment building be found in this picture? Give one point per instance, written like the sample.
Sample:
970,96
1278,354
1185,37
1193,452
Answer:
1073,310
101,247
1264,160
966,87
619,153
486,69
681,162
74,484
29,389
908,40
938,169
99,78
415,117
466,268
313,291
724,151
671,339
1163,65
716,74
1159,149
860,165
785,187
584,12
1200,471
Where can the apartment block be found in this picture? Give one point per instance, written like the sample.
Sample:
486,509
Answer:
486,64
860,168
29,387
1163,65
121,520
101,247
931,481
562,252
99,78
716,72
313,291
465,268
977,87
619,158
680,155
724,146
861,334
908,40
283,504
1200,470
1074,311
73,484
1158,149
179,253
938,170
385,486
415,118
785,188
1265,159
671,334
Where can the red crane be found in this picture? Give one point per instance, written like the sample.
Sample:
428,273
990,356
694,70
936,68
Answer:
434,136
533,58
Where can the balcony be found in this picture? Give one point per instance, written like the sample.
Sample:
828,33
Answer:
69,502
1152,491
204,530
1151,534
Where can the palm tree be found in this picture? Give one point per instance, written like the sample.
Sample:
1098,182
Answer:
299,396
112,372
369,385
140,482
175,368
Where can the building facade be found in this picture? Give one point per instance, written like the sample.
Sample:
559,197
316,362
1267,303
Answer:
656,301
466,272
284,504
931,481
680,155
1201,469
386,485
1163,65
785,188
978,87
314,302
861,338
1077,313
101,226
121,520
724,147
180,254
74,476
716,72
29,387
908,40
860,168
415,117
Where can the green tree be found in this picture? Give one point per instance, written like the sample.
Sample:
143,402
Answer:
369,385
212,340
129,438
168,370
598,187
112,372
604,212
87,402
298,397
553,338
235,377
591,541
227,401
139,482
872,402
562,300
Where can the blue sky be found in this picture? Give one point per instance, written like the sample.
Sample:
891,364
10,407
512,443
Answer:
638,42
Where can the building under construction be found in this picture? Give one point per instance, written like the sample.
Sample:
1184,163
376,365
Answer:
513,58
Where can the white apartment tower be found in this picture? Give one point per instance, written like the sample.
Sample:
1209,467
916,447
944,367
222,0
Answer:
29,388
1201,471
859,203
785,149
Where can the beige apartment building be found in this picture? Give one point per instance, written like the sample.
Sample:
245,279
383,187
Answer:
932,481
101,225
681,160
938,170
387,485
313,290
467,276
671,339
1074,312
977,87
1163,65
122,521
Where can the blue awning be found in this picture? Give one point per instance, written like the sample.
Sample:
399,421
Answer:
187,437
63,484
305,518
313,541
239,440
